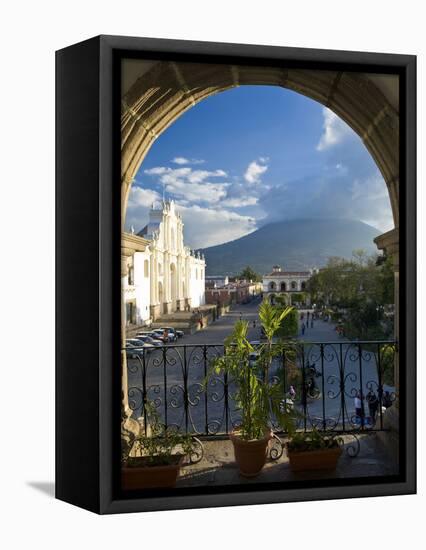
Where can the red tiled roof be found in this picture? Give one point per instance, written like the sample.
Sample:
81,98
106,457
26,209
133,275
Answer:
289,274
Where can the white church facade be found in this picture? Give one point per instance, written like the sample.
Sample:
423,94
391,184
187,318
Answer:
160,274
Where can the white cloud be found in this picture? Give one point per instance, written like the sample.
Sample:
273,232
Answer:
239,202
208,226
157,171
372,188
193,185
197,176
138,206
371,203
206,192
140,196
203,226
255,170
334,130
183,160
363,198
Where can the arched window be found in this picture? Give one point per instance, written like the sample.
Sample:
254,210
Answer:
131,276
283,287
303,285
293,285
272,285
146,268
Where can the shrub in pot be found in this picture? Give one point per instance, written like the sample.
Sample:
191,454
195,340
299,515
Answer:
258,398
154,460
314,450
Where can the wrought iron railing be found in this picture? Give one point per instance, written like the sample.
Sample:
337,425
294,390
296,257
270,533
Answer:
327,379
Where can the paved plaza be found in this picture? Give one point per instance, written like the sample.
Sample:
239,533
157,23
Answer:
188,363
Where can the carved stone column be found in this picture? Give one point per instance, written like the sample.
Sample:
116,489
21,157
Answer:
389,242
124,383
129,245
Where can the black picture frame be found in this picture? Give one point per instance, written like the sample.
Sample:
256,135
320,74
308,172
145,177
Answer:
88,271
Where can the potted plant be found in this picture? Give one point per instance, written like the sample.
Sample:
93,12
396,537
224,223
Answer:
154,460
314,450
258,398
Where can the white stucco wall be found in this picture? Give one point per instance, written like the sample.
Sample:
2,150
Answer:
197,281
142,286
288,280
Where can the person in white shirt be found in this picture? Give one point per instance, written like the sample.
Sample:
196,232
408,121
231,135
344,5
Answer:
358,407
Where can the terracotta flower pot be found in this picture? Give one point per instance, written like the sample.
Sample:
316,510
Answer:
140,475
323,459
250,455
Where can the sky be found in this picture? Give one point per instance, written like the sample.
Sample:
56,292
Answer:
254,155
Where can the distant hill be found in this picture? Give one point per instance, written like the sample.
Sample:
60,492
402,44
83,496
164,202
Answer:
293,244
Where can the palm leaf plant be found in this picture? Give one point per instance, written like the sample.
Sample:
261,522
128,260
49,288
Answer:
258,398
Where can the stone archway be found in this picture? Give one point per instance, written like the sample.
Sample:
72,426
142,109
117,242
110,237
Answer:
155,94
158,93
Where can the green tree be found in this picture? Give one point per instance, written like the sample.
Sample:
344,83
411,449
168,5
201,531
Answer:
289,326
363,286
250,275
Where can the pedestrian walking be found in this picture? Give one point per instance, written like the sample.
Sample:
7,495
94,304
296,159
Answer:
373,404
359,408
303,329
241,316
310,388
200,322
387,400
254,323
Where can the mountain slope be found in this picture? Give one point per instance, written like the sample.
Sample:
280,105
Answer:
293,244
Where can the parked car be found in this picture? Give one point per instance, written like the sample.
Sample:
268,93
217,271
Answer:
133,351
139,344
171,336
148,339
157,336
143,333
179,333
